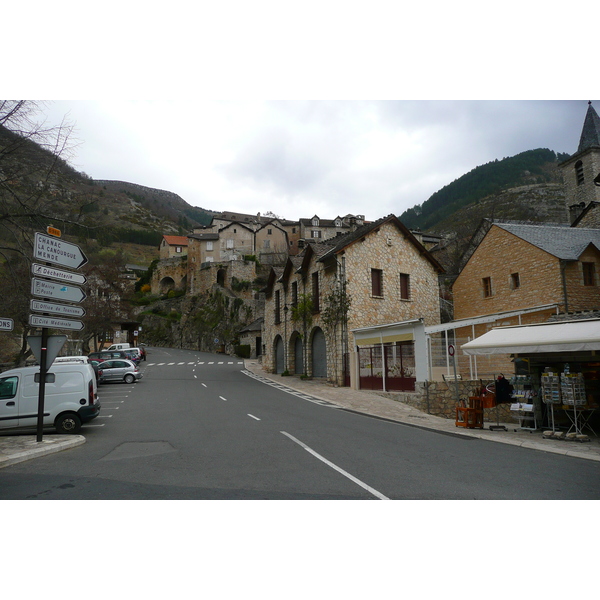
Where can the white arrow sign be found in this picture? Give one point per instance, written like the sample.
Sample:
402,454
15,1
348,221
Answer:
59,291
55,322
44,271
66,310
6,324
56,251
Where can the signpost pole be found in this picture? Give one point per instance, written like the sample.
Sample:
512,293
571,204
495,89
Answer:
42,391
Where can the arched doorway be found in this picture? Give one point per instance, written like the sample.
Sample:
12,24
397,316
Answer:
166,285
221,277
279,360
319,354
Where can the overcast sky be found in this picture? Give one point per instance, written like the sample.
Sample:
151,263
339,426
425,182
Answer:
300,158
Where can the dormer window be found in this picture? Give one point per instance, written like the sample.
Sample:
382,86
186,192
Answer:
315,222
579,172
338,223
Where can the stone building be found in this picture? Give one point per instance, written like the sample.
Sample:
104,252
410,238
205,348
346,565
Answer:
581,172
386,275
519,273
317,229
173,246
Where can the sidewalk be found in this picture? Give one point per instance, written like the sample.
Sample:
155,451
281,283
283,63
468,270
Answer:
15,448
372,404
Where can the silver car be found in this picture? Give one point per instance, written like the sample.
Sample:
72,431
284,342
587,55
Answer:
118,369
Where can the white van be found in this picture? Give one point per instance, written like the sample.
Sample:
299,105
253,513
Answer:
70,399
123,346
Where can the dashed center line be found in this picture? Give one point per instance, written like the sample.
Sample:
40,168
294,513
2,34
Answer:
253,417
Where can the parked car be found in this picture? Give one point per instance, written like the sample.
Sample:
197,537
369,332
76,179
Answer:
70,397
108,355
118,370
121,346
136,354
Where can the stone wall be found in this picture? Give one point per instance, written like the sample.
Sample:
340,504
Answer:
170,268
439,399
587,191
498,256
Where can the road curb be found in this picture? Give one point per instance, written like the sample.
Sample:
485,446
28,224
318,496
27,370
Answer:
29,447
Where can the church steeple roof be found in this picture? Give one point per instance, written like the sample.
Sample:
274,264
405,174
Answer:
590,135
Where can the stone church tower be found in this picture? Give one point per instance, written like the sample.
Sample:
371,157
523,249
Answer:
581,172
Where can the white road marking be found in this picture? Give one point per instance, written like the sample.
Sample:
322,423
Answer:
86,425
171,364
220,363
253,417
204,385
190,363
104,417
182,363
195,376
211,363
338,469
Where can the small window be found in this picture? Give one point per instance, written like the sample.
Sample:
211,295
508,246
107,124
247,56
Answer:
209,246
293,230
579,172
315,292
294,293
267,244
315,233
515,281
277,307
487,287
404,286
377,283
229,243
589,273
269,231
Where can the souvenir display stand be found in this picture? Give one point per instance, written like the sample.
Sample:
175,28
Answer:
572,388
551,395
526,403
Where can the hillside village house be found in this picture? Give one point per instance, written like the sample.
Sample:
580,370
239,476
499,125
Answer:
389,278
317,229
173,246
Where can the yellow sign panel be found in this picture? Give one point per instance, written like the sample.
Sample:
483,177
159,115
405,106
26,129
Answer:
53,231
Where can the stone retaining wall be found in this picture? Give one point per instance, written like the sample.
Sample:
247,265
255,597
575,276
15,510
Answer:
439,398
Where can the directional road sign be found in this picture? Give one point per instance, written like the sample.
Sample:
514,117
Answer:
66,310
58,291
6,324
55,322
53,273
58,252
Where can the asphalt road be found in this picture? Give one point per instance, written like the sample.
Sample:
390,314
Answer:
197,427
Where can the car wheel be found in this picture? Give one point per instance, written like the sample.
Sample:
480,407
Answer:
129,378
68,423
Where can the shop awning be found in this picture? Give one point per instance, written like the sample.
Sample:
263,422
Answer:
384,334
570,336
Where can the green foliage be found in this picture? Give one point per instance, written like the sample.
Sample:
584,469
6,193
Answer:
239,285
482,181
336,307
303,310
